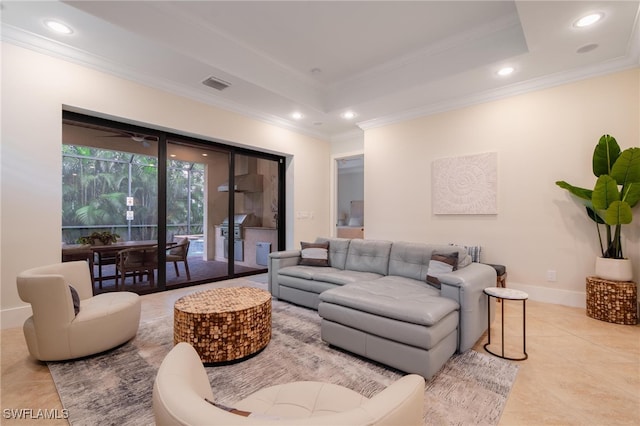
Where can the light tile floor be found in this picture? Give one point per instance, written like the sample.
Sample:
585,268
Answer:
580,371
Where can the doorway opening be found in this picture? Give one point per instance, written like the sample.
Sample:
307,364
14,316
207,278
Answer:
350,197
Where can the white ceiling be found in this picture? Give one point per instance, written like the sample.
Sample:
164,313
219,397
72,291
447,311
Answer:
384,60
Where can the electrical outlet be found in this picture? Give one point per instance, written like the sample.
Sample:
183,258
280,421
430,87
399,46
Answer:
551,275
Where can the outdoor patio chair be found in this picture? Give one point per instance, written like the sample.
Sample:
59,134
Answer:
137,262
178,253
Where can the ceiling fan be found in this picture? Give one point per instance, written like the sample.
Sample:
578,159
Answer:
136,137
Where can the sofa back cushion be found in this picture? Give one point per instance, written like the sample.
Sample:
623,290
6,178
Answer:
411,260
338,248
368,256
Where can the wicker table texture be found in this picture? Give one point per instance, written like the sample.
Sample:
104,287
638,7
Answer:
612,301
224,324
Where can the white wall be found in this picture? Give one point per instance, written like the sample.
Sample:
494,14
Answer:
36,88
346,144
540,137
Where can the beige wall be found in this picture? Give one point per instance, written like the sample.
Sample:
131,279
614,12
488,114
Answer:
36,88
539,138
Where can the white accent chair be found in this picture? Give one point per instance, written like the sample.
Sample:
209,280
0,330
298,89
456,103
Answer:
182,385
54,332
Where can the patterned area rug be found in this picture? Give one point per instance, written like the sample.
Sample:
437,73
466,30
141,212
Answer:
115,387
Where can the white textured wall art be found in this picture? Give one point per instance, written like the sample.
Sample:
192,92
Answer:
465,185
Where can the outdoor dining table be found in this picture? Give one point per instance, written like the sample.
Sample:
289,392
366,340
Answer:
103,254
108,252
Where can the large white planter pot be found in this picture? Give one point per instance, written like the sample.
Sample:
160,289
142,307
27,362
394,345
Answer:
614,269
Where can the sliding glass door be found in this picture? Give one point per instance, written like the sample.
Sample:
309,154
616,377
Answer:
255,206
204,211
195,210
109,201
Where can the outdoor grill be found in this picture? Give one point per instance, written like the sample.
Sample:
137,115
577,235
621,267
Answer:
240,221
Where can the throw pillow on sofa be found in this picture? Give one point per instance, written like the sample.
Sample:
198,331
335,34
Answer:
441,263
314,254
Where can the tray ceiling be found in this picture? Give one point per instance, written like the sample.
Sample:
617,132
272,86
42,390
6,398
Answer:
384,60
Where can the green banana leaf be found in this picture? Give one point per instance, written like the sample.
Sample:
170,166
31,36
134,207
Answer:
618,213
605,155
582,193
631,193
595,216
605,192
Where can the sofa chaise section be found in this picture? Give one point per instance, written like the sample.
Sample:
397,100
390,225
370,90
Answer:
395,322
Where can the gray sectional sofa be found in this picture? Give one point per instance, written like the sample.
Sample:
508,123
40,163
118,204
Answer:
375,302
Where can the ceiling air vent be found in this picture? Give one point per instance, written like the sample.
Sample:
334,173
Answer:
216,83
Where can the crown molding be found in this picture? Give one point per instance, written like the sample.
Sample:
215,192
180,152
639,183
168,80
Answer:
528,86
631,60
53,48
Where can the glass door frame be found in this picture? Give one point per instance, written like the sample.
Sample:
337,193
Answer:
163,140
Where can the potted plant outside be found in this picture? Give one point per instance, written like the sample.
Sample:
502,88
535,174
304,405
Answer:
611,202
99,238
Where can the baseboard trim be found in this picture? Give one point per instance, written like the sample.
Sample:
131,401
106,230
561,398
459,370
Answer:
576,299
14,317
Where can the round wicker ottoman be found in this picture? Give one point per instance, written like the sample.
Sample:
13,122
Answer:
224,324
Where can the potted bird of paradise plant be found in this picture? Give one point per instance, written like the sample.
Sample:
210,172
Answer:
610,204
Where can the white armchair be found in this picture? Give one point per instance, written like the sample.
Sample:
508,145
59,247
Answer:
181,391
54,332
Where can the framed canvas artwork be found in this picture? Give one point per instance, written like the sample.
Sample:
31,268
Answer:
465,185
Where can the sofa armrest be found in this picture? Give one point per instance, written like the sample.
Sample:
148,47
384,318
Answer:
278,260
466,286
286,254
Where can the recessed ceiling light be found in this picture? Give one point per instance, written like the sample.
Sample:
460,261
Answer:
348,115
58,26
587,20
503,72
172,155
297,115
205,155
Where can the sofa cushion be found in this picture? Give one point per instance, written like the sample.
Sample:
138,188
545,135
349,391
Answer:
306,272
392,297
314,254
344,277
368,256
411,260
338,249
309,286
415,335
329,275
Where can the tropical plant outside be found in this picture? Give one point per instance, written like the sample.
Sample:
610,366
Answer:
104,238
96,183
